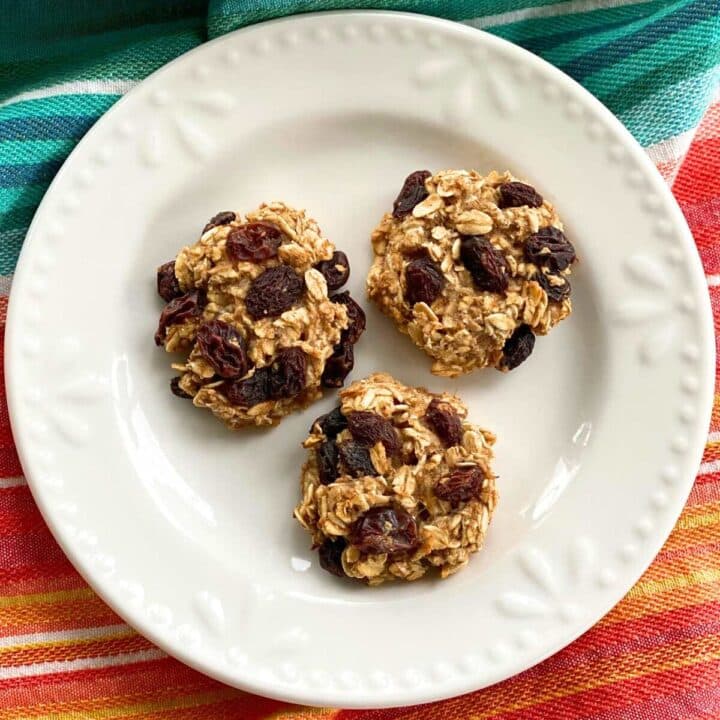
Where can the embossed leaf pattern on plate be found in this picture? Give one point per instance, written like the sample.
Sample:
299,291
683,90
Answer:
469,82
544,584
180,122
648,304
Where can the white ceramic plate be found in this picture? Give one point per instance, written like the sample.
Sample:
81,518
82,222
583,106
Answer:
185,528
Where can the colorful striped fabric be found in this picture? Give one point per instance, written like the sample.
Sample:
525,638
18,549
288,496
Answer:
64,654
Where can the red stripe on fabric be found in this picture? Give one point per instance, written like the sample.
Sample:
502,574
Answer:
9,461
116,687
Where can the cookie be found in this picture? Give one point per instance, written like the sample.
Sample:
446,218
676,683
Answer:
397,482
472,268
255,306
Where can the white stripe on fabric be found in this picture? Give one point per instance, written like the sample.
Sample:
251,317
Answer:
78,87
5,284
12,482
671,150
713,280
562,8
713,437
709,467
93,633
63,666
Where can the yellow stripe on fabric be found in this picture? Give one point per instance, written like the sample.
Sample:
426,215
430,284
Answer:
95,706
689,520
605,671
118,635
45,598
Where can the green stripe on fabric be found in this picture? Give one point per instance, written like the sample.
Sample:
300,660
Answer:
16,219
19,152
543,33
124,62
654,120
22,196
57,105
609,78
693,64
226,15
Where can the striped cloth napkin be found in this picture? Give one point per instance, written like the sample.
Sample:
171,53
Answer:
64,654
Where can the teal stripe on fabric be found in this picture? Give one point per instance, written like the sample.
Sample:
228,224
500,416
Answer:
20,152
22,196
58,127
542,33
59,105
28,174
226,15
695,94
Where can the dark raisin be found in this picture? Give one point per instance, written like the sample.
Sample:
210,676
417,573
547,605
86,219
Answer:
168,286
178,311
355,459
424,281
517,194
331,424
224,349
554,292
273,292
287,373
463,484
518,347
389,530
330,555
446,423
413,191
175,389
369,427
336,270
338,365
222,218
249,392
486,264
549,248
326,457
355,313
253,242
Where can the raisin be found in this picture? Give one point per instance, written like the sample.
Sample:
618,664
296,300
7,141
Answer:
175,389
463,484
331,424
168,286
486,264
253,242
518,347
224,349
356,459
273,292
369,427
249,392
424,281
549,248
413,191
339,364
517,194
355,313
389,530
554,292
287,373
178,311
326,457
446,423
336,270
222,218
330,555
